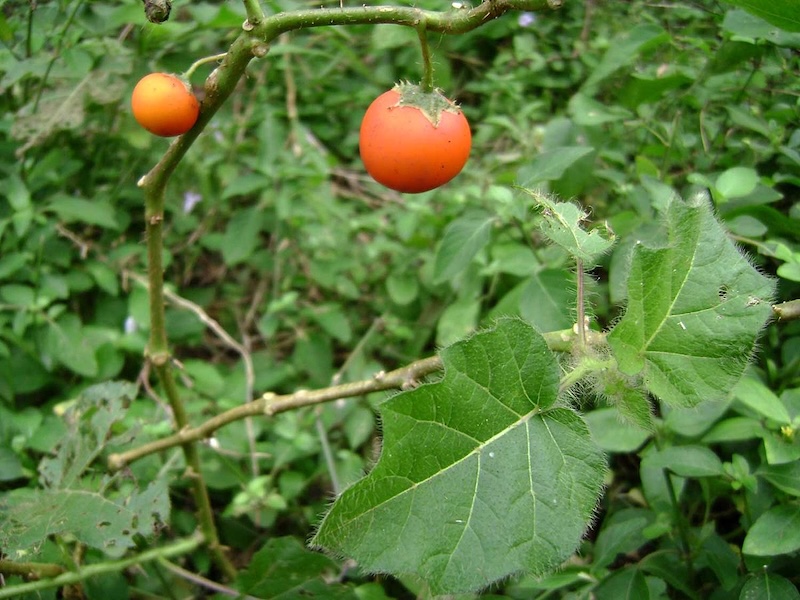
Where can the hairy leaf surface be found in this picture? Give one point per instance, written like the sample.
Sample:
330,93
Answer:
695,308
562,224
483,474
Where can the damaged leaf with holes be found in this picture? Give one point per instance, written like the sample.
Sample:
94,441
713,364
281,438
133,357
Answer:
29,517
97,511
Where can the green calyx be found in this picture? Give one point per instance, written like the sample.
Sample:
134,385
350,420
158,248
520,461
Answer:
431,104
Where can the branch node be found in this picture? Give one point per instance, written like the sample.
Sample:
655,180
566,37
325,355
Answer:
183,432
159,359
115,462
247,25
268,398
260,49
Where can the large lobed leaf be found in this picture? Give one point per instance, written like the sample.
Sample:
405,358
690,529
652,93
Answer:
695,308
482,474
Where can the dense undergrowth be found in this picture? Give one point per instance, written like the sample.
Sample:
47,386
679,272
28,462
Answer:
275,235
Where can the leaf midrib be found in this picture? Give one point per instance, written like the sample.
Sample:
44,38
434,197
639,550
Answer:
477,450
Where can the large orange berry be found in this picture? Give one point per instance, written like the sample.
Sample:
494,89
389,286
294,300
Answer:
414,141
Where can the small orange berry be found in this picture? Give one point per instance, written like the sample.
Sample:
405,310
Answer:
164,104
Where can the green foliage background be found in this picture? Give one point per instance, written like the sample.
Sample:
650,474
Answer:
320,275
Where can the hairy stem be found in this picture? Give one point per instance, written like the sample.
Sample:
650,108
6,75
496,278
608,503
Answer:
581,306
584,368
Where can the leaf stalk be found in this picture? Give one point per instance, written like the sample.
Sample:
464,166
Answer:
427,63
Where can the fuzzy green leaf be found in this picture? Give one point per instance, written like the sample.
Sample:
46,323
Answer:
562,224
695,307
482,474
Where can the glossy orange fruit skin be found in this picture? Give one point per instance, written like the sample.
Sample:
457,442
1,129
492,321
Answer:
402,149
164,105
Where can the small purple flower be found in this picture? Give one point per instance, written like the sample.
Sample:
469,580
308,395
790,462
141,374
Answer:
526,19
190,200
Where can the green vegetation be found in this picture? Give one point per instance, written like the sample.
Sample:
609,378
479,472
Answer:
394,379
